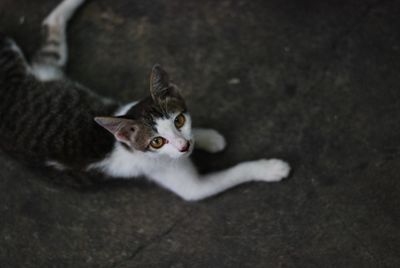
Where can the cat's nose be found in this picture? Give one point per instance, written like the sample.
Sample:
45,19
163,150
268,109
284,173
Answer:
185,147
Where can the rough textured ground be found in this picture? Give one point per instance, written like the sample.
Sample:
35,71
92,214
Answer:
314,82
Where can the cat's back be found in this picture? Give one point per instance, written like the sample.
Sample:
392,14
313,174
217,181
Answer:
48,120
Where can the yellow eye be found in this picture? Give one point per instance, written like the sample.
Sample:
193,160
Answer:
179,121
157,142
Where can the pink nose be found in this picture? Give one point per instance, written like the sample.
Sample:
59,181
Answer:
185,148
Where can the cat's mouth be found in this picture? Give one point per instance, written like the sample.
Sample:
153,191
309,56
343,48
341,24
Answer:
188,148
185,148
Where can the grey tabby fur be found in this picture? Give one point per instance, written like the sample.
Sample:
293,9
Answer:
49,119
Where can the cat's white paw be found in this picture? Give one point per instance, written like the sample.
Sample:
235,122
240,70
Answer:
270,170
214,142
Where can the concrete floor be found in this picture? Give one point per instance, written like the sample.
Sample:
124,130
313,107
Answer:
313,82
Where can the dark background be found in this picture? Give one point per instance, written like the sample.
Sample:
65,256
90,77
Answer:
312,82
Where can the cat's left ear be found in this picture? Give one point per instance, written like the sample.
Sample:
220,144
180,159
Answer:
161,88
124,130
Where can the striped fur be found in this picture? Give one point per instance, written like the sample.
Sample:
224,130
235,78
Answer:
52,120
48,119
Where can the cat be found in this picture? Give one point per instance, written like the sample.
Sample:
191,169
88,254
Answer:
57,122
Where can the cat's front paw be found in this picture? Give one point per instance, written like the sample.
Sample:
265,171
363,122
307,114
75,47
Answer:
270,170
210,141
216,142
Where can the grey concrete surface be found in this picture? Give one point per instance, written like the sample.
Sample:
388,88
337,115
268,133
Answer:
318,85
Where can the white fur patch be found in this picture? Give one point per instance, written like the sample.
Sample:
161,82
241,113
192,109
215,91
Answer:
209,140
125,108
46,72
183,179
63,12
123,163
269,170
56,165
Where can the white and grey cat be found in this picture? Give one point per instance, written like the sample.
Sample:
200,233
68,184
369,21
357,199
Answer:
152,137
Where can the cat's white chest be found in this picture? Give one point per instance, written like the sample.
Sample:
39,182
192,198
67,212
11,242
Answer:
122,163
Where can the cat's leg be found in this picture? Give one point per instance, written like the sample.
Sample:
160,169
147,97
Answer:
12,61
49,61
182,178
208,140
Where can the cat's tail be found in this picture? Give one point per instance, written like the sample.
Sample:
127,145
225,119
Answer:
12,61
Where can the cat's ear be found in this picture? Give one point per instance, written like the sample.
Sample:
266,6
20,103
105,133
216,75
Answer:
122,129
161,87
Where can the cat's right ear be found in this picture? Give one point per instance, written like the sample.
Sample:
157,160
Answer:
159,82
161,87
122,129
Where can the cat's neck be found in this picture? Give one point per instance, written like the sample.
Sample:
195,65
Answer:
125,163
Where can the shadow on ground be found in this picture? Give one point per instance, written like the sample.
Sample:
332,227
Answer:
314,83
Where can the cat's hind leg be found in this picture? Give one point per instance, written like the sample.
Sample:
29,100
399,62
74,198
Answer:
12,61
50,59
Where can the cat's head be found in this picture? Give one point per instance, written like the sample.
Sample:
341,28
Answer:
157,125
